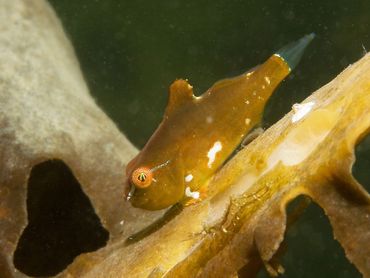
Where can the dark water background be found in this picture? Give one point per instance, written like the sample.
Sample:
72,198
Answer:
130,51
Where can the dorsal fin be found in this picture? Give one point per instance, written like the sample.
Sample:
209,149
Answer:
180,92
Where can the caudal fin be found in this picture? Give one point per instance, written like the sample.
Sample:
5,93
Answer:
292,52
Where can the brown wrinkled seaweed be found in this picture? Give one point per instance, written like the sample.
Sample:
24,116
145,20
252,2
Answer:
48,114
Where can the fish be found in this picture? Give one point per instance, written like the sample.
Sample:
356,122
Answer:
199,133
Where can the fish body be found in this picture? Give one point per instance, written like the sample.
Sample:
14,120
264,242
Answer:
198,134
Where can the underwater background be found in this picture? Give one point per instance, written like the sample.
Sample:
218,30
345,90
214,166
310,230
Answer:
131,51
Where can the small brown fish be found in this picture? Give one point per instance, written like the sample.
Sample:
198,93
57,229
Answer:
198,134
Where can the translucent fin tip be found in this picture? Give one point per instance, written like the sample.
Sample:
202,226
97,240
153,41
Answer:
292,52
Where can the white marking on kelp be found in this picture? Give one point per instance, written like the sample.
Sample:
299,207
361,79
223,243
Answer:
192,194
301,110
217,146
300,142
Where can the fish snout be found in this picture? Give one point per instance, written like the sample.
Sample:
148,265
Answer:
128,188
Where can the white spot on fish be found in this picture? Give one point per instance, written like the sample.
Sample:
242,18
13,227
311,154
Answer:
267,80
189,178
247,102
247,121
217,146
192,194
209,120
301,110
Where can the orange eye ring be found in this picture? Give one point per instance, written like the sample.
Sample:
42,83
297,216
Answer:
142,177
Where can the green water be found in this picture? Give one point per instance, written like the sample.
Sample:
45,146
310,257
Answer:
130,51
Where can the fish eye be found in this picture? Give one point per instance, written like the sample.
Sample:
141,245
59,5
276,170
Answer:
142,177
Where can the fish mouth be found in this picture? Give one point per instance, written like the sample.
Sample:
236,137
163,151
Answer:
129,189
131,192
